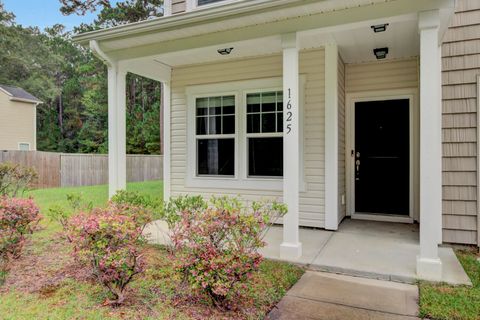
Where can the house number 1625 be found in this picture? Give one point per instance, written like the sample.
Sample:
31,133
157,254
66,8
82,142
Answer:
289,113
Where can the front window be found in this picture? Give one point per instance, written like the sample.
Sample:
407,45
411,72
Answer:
215,135
265,134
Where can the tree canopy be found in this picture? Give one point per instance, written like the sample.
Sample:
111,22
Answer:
72,83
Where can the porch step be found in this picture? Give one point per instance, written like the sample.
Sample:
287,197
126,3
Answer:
321,295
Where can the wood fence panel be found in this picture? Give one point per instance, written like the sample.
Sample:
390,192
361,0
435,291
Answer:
47,165
72,170
84,170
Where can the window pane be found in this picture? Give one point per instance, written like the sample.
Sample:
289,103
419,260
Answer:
215,125
253,123
279,101
229,110
265,157
202,125
202,106
228,101
228,124
268,101
279,122
215,110
268,122
216,157
253,102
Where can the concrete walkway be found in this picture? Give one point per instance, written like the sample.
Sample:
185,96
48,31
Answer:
324,296
372,249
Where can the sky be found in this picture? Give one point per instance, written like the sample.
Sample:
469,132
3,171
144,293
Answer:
44,13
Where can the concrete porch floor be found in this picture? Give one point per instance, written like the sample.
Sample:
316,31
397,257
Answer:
371,249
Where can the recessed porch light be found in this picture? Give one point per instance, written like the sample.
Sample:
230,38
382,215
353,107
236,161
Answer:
379,27
380,53
225,51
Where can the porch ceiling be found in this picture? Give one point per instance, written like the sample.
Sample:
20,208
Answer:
356,43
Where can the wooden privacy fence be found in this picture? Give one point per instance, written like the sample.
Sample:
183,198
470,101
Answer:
72,170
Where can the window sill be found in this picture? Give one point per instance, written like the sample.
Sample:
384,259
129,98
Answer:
266,184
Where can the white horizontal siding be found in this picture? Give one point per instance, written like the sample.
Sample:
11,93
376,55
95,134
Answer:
312,66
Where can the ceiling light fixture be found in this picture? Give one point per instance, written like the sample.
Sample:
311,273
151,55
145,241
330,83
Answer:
225,51
379,27
380,53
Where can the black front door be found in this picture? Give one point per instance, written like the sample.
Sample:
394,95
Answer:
382,157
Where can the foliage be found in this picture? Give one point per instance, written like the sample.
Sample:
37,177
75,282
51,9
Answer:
18,217
108,241
72,83
171,211
217,247
15,179
445,302
61,215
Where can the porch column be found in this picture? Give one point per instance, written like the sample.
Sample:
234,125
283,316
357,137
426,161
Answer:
429,266
291,248
117,157
166,140
331,136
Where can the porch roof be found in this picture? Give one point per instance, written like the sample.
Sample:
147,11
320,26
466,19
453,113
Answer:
247,20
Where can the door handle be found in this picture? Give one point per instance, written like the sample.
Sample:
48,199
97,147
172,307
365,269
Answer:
357,166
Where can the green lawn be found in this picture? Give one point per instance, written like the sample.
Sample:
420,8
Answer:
45,284
444,302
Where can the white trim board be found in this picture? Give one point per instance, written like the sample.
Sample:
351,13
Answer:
240,179
351,99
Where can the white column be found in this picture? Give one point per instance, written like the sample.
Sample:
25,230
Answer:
117,157
429,265
291,248
166,140
331,136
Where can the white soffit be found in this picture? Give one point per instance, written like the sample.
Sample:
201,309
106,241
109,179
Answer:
355,42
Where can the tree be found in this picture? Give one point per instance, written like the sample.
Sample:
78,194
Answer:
72,83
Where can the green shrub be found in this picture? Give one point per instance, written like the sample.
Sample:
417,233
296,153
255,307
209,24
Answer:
15,179
18,217
108,241
217,245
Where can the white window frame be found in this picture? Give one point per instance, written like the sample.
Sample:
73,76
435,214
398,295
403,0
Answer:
240,180
25,143
257,135
207,136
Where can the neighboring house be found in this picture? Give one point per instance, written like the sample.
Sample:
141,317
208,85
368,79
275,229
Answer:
18,119
333,105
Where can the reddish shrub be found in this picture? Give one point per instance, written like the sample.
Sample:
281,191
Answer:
108,241
18,217
217,247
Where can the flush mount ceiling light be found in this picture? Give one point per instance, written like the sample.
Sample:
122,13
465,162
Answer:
225,51
380,53
379,27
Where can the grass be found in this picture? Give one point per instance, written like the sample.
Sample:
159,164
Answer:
444,302
156,294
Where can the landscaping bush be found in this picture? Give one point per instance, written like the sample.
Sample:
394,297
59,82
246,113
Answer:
15,179
61,215
217,247
108,241
18,217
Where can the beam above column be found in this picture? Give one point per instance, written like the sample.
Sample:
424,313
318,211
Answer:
291,248
429,266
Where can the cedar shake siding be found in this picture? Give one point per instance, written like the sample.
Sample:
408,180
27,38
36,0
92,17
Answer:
461,66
